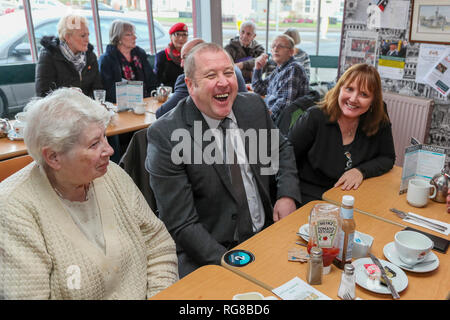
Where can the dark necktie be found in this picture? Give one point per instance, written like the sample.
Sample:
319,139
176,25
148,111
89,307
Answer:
244,222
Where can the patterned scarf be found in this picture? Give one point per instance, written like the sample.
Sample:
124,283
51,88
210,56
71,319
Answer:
78,60
173,54
131,70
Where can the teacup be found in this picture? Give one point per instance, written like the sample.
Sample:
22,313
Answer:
19,124
412,247
419,192
139,108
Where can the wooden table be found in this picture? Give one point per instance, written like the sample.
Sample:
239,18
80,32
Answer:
209,283
271,268
122,122
377,195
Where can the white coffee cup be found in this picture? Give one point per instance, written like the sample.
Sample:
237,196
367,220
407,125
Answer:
419,192
412,247
139,108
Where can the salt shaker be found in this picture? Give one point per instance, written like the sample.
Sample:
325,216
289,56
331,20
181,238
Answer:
347,287
315,266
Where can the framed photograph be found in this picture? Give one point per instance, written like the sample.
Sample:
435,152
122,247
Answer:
430,21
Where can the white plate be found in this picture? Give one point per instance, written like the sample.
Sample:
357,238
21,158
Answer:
391,254
400,281
304,230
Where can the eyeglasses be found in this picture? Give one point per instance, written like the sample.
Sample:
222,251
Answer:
180,34
279,46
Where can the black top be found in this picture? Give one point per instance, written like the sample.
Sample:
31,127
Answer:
54,71
166,70
321,158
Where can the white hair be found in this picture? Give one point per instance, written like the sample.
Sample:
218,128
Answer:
58,120
67,24
248,24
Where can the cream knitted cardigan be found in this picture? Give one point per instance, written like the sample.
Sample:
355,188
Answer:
44,255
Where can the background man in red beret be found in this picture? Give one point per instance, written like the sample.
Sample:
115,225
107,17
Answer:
168,61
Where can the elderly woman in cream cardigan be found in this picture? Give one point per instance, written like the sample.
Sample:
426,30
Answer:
73,225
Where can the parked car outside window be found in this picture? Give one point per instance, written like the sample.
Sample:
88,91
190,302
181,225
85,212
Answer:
15,47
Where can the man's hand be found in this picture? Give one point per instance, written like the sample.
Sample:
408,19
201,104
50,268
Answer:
283,207
261,61
351,179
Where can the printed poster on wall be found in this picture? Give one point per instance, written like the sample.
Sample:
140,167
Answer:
360,47
391,61
439,76
429,54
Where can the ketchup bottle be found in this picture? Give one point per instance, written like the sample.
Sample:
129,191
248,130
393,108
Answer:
324,224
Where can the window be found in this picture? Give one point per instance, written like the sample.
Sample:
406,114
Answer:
167,13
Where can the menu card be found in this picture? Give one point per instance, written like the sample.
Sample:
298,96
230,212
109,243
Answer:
129,93
423,162
297,289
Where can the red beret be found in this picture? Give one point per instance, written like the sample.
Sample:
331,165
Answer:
180,26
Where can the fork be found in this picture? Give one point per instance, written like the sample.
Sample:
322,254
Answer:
347,296
404,215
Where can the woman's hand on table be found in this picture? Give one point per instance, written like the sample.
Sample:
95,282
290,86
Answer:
351,179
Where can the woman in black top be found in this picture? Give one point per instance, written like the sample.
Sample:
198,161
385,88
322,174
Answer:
68,60
345,139
123,59
168,61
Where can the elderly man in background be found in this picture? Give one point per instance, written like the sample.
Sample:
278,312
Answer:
73,224
208,205
287,83
244,49
181,90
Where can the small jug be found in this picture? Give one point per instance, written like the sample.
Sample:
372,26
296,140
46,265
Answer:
441,182
161,93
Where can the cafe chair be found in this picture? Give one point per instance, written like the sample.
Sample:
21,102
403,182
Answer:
133,162
292,112
10,166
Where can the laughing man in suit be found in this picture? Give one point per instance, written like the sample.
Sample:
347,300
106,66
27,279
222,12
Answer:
198,200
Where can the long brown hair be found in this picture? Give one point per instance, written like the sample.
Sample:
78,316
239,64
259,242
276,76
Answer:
368,79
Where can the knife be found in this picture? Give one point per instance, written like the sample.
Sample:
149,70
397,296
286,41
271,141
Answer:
394,292
429,223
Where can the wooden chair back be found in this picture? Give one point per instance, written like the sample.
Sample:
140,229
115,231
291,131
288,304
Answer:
10,166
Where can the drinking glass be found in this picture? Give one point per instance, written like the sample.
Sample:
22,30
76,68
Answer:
100,95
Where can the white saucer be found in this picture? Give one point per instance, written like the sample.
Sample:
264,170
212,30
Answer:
304,230
400,281
391,254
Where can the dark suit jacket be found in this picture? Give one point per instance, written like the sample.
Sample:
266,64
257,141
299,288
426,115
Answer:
196,201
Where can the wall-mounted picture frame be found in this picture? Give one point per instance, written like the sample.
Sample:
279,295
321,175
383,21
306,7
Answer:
430,21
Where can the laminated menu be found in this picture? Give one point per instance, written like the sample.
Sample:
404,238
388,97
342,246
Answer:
128,93
421,161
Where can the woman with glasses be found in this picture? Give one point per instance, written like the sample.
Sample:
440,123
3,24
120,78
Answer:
168,61
123,59
347,138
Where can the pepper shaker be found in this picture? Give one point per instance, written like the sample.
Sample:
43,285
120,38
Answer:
315,266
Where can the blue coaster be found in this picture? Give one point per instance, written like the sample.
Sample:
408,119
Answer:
238,258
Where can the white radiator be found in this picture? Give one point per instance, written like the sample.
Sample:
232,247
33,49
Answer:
410,117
